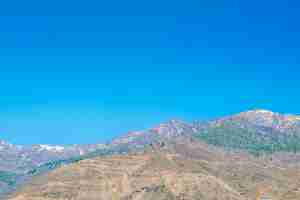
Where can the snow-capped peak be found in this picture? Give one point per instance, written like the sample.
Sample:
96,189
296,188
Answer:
4,143
55,148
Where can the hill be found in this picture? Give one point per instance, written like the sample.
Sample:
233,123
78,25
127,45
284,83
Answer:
257,131
266,139
181,170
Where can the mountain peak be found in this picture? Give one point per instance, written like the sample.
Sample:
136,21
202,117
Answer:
173,128
270,114
265,118
259,111
51,148
175,122
2,142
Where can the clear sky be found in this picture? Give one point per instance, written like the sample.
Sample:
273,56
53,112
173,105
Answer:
87,71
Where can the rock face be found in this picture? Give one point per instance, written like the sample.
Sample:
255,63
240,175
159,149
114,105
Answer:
173,174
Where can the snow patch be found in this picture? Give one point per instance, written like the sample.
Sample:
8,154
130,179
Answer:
262,111
51,148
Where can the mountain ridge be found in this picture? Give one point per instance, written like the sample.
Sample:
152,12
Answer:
260,120
257,111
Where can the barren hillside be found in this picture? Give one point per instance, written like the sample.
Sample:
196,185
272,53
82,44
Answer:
166,174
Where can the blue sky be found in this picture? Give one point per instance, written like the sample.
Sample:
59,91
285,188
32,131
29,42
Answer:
74,72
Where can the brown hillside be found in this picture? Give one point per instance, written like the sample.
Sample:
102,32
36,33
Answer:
187,172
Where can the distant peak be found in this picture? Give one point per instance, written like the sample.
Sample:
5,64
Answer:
270,114
261,111
175,121
50,147
2,142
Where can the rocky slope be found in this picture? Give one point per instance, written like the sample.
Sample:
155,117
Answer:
16,161
257,131
271,121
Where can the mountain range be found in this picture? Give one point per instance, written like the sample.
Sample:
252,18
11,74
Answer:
261,138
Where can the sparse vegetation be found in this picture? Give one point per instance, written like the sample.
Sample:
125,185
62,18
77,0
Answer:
231,136
150,178
8,177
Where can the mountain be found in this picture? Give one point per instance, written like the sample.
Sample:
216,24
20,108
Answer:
257,131
23,158
184,169
262,133
20,159
17,160
164,131
276,122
